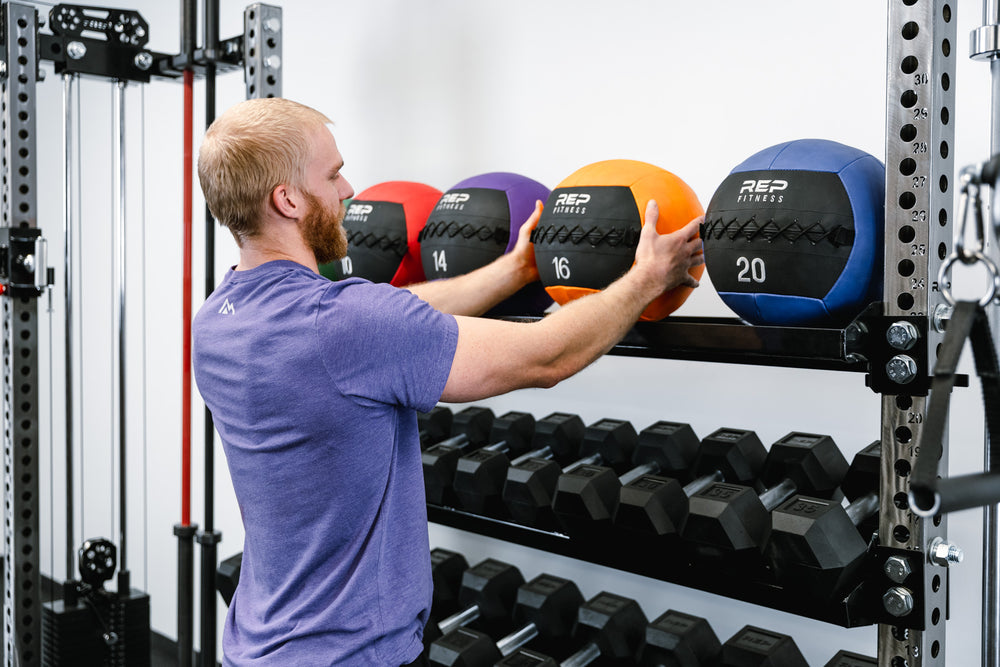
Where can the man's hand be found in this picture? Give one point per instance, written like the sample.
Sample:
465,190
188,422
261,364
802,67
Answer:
664,260
523,251
476,292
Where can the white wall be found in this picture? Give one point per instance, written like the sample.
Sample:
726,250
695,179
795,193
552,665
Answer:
436,91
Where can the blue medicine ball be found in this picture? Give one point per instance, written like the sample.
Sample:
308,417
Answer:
795,234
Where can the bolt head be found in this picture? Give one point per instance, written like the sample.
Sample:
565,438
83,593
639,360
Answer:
273,62
76,50
272,24
944,553
902,335
901,369
897,568
898,601
143,60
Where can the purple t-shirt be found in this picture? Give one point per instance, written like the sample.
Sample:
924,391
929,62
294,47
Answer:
313,386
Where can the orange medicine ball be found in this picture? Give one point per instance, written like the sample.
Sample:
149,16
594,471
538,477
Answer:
588,232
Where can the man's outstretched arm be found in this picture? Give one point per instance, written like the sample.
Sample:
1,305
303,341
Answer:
494,356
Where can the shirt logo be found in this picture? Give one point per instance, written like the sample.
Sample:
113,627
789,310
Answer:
227,308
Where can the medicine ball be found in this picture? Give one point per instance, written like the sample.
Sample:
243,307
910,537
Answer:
588,232
382,225
477,221
794,235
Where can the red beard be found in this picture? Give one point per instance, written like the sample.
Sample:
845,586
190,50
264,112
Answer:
322,230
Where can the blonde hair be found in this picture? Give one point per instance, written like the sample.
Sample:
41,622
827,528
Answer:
248,151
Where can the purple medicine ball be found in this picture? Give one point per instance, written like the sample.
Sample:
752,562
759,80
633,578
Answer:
476,221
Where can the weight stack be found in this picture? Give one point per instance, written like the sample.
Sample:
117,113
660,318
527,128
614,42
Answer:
74,635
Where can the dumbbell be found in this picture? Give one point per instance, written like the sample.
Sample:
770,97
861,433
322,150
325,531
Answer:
609,626
815,546
544,611
479,476
848,659
658,505
531,483
485,597
729,524
679,640
586,497
447,568
471,429
434,425
755,647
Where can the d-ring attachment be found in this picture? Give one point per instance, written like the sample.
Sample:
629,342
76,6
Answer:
969,258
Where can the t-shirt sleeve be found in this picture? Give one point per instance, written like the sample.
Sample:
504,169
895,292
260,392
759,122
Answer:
384,344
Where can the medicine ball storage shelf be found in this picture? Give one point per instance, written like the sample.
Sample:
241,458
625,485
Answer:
853,610
730,340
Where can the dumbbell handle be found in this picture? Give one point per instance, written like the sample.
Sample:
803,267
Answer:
499,446
457,441
703,482
862,508
540,453
584,656
778,494
515,640
459,619
586,460
638,471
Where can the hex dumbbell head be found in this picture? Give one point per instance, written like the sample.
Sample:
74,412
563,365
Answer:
737,453
671,446
492,586
585,499
613,439
679,640
447,568
848,659
527,492
227,576
476,422
514,428
551,604
756,647
434,425
438,463
614,623
562,432
812,461
862,478
463,647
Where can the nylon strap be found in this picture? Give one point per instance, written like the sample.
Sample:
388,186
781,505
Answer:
968,321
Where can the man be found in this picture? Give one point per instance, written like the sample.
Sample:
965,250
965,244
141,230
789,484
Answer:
314,387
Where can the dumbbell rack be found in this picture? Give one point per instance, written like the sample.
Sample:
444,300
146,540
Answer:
920,97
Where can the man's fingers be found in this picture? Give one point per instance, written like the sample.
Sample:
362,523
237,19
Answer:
652,214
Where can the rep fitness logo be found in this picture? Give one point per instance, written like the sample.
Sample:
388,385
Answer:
358,212
762,191
572,203
453,201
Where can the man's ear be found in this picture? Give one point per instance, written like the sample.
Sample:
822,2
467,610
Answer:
286,201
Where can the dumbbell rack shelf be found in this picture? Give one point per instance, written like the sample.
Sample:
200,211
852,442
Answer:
851,611
730,340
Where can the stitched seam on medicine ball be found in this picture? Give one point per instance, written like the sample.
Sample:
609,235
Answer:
576,235
793,231
391,243
452,229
